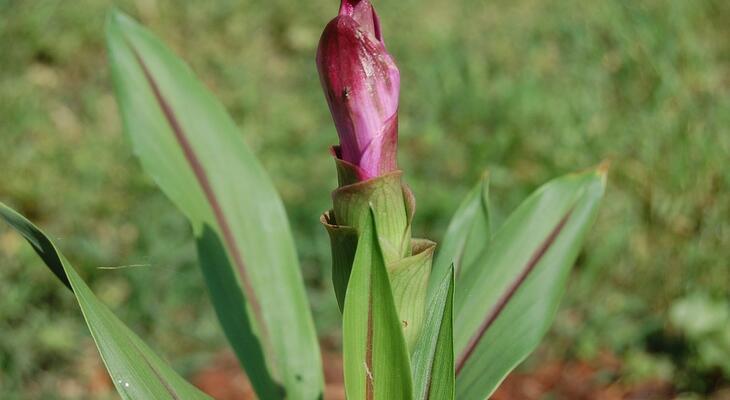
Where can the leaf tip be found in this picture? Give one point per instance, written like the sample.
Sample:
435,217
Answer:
113,26
485,176
602,169
117,22
371,214
601,174
116,15
113,17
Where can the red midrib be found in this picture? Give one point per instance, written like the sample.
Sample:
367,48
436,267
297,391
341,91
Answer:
205,184
509,293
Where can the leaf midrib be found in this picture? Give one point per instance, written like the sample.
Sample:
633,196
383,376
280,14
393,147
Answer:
202,178
504,299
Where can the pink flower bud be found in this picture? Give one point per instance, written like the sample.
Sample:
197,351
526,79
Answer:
361,83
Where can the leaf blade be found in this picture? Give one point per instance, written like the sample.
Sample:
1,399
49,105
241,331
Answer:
433,357
136,371
409,285
375,356
505,305
467,235
190,146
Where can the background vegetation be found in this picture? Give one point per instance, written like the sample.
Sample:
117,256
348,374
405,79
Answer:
526,89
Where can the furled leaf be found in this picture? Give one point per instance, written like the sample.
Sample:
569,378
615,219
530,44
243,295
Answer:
136,371
194,152
351,206
467,236
433,357
376,360
505,304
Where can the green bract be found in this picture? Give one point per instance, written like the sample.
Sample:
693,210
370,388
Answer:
410,331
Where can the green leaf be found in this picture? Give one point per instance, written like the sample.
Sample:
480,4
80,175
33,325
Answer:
433,357
343,244
506,303
386,193
376,360
409,285
136,371
467,236
194,152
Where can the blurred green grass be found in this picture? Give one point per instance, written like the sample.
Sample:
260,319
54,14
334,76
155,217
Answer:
526,89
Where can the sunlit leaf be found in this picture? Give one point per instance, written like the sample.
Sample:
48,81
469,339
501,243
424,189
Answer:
467,236
194,152
506,301
409,283
433,357
136,371
376,360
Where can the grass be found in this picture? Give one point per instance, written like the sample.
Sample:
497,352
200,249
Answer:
526,89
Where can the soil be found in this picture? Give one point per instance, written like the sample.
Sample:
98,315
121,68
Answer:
570,380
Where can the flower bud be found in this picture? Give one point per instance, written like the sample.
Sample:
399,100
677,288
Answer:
361,83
